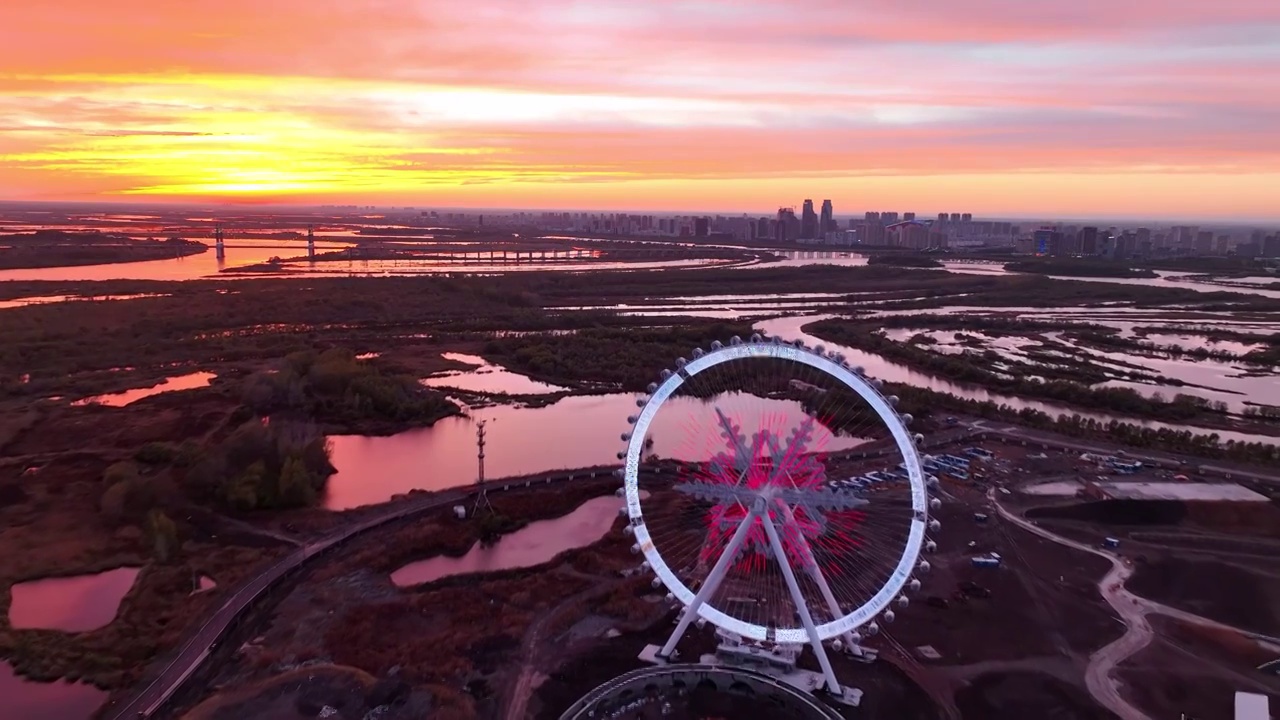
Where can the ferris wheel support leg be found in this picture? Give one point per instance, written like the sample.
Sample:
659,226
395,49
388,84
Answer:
714,578
833,685
811,566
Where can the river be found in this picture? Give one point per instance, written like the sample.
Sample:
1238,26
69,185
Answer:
876,366
245,252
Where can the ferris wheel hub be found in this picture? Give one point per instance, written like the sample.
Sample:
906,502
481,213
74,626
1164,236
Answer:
768,502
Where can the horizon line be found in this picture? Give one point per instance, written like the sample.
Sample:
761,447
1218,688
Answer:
249,207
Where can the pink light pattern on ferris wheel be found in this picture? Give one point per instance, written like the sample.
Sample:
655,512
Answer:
811,520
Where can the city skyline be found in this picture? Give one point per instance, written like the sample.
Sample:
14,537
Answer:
841,215
1097,111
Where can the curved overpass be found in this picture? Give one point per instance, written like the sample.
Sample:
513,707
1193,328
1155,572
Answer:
646,682
192,654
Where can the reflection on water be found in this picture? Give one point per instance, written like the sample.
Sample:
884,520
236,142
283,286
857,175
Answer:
120,399
414,267
796,258
1213,380
1221,380
533,544
244,253
204,584
1192,342
577,431
22,699
49,299
1166,279
487,378
1124,319
876,366
71,604
731,306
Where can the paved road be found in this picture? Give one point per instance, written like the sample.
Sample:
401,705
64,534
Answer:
1137,635
198,646
192,654
1132,609
1020,433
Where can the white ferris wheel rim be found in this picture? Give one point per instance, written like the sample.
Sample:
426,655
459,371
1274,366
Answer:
901,574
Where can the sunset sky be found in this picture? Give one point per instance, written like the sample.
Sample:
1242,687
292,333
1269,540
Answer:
1137,108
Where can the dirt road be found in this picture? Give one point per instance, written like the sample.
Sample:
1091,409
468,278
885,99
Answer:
522,688
1133,611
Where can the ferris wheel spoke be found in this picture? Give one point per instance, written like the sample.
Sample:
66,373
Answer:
815,573
752,520
802,607
712,583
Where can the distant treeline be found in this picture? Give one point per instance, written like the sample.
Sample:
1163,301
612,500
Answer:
1080,268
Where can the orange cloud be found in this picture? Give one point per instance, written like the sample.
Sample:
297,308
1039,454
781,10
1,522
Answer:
654,104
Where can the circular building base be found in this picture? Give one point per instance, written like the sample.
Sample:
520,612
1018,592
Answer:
678,688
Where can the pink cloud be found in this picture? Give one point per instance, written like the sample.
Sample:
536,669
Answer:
661,89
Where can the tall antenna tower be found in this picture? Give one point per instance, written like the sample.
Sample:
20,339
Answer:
311,242
482,497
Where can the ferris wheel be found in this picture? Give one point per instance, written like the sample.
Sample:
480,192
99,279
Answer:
751,534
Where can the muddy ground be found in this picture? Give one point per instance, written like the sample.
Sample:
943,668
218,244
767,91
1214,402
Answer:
1025,695
1035,620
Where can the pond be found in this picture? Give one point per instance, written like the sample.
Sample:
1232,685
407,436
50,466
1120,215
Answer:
534,544
485,377
120,399
576,431
22,699
203,584
71,604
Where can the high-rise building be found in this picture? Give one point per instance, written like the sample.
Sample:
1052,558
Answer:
701,227
907,234
942,218
1047,241
762,228
955,217
808,221
873,217
1183,237
827,222
1088,240
966,217
784,226
871,233
788,227
888,218
1204,242
908,216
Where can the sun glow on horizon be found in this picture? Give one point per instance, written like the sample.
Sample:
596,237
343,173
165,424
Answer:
565,109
